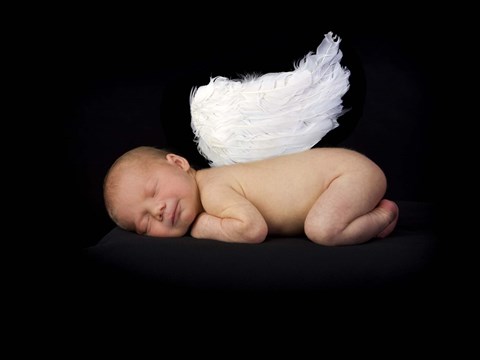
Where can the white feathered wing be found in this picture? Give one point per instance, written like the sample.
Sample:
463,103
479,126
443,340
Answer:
258,117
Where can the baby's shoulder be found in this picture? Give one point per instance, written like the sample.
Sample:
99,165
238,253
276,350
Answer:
215,176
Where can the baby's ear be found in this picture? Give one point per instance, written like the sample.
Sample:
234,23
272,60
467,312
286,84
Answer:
179,161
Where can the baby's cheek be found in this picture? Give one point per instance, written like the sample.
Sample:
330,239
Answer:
187,218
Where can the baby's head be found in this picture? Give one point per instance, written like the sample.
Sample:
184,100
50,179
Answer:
152,192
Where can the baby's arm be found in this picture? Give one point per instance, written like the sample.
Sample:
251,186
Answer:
229,217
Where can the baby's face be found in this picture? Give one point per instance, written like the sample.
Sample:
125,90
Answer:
161,201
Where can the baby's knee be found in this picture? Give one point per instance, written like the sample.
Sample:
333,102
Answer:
323,235
380,177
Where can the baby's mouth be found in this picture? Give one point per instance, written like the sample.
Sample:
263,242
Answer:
174,214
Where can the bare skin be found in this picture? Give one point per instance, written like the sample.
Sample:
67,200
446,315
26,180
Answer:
333,196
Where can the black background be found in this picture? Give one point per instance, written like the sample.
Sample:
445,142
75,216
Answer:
121,77
123,80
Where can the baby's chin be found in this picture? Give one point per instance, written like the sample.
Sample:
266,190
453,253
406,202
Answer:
182,230
179,233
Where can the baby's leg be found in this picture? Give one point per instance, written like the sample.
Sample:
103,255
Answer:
351,210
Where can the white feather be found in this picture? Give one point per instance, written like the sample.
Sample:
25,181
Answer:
258,117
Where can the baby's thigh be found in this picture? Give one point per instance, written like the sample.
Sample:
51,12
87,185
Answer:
349,195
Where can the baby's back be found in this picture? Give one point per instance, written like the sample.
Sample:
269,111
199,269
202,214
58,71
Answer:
285,188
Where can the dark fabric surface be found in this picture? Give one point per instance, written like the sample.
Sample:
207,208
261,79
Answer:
406,259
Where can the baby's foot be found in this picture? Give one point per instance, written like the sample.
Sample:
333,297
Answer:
389,207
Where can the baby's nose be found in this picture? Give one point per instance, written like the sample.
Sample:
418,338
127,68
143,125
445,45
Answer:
159,211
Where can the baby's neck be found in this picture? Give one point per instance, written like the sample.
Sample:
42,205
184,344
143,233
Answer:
195,173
